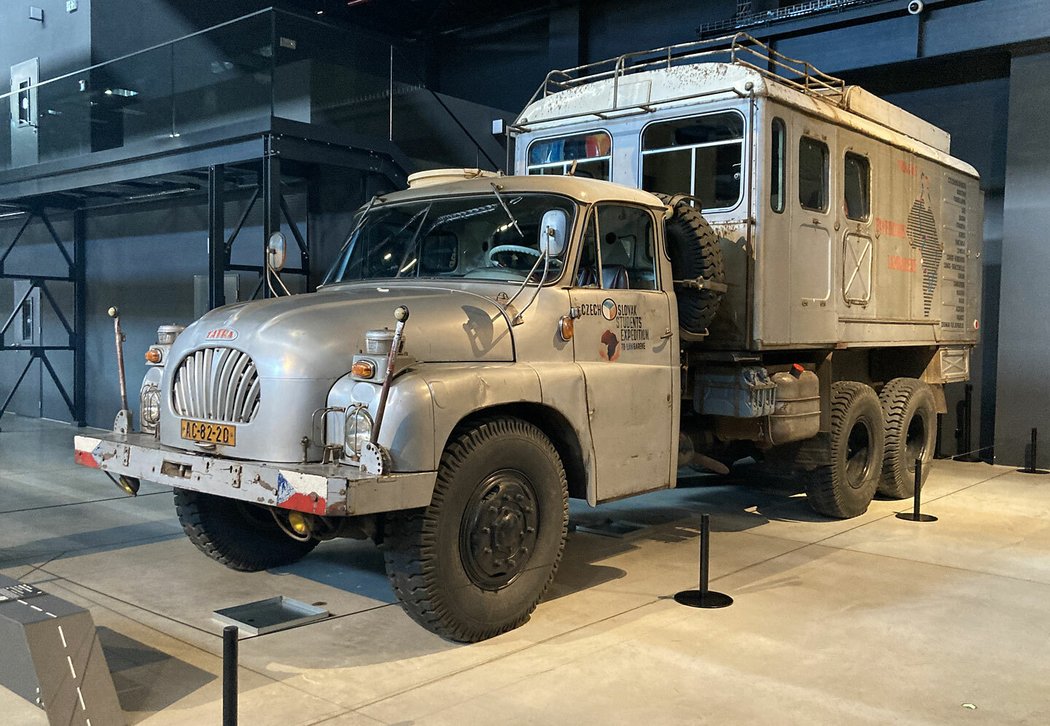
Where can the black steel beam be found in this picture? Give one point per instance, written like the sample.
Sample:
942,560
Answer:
217,257
80,318
77,175
14,389
58,383
31,348
304,248
324,154
49,278
283,129
260,269
58,310
14,241
58,240
240,223
271,193
14,312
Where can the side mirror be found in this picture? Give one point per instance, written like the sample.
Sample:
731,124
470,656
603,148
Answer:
276,251
553,232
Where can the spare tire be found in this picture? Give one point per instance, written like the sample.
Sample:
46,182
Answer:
695,253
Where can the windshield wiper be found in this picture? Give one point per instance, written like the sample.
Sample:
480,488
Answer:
513,221
357,226
415,242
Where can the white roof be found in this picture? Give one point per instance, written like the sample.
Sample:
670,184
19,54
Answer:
578,188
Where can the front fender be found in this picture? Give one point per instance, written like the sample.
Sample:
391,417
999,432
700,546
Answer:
427,402
408,425
458,390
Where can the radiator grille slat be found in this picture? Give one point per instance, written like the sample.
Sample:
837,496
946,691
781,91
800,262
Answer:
217,384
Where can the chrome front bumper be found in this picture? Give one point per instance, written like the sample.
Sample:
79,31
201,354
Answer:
325,489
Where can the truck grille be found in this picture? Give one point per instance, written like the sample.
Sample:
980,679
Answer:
217,384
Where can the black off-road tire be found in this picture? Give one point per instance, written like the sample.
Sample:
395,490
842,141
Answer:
910,416
695,252
498,478
240,535
845,485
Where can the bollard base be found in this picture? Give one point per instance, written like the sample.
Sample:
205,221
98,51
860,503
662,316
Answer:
913,517
707,600
1032,471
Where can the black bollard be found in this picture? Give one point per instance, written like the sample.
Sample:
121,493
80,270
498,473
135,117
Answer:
704,597
1031,465
1032,468
916,514
229,675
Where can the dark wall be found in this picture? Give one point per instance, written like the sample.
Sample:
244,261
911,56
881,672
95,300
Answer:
62,42
119,27
1023,400
614,27
502,65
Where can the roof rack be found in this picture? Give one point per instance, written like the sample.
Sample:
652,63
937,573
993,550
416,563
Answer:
740,49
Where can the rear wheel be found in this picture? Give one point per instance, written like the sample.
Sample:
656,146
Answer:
476,562
910,416
240,535
844,486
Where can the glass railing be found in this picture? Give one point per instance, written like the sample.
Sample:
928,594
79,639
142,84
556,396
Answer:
237,75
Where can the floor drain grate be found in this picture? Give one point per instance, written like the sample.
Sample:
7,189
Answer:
270,615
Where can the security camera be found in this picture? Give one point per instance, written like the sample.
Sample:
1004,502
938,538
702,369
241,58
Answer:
915,7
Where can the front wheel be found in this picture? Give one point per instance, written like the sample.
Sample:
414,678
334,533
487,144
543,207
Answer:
240,535
476,562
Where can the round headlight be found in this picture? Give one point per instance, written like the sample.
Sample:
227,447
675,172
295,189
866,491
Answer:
357,431
149,408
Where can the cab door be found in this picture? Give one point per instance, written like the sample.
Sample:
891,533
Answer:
627,350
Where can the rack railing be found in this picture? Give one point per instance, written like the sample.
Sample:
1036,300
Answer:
741,49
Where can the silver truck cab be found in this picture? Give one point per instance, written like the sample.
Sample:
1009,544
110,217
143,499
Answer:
538,360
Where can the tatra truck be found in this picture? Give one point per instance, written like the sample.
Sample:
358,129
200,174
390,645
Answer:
706,254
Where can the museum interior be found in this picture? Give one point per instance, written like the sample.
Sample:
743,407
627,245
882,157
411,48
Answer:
372,362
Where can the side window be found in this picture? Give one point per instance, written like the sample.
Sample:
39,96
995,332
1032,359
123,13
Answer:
592,153
617,250
702,156
856,186
777,166
813,174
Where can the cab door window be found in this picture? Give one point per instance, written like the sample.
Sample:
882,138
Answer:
618,249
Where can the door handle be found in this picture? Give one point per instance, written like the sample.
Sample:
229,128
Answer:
667,334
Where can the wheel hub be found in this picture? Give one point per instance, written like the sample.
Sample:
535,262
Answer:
915,443
858,453
499,529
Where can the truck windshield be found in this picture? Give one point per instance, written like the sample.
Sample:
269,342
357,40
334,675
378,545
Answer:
451,237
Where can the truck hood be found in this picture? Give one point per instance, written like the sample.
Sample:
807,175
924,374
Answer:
316,335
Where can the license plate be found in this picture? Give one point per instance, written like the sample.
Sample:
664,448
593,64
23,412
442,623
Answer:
209,433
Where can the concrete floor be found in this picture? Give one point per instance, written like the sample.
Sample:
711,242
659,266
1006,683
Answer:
871,620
